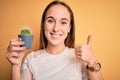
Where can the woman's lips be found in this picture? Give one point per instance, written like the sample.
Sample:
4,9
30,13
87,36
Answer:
55,35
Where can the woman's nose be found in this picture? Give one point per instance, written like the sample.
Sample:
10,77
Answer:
56,27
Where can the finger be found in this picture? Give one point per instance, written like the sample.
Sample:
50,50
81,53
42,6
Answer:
78,52
13,54
18,49
89,40
78,57
77,46
16,42
18,39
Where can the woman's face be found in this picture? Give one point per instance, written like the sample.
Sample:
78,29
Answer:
57,25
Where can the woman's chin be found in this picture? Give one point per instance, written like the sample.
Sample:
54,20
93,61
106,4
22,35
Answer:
55,43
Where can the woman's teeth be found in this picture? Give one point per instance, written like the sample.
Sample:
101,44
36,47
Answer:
56,35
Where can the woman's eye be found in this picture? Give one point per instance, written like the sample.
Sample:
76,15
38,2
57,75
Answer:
50,21
63,22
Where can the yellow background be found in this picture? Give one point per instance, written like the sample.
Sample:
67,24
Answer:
98,17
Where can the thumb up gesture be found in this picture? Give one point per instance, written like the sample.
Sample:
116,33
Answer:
84,52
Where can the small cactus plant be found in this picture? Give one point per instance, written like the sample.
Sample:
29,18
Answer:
25,31
25,35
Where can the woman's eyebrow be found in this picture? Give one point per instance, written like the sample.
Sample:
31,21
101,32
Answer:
49,17
65,19
53,18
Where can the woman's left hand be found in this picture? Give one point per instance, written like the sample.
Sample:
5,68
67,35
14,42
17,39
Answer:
84,52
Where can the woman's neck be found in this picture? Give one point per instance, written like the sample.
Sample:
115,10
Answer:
55,49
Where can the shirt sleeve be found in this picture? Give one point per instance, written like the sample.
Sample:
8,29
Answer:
25,71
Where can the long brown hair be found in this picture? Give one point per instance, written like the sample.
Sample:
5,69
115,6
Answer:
70,40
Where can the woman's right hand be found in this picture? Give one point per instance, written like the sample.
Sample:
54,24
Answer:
15,52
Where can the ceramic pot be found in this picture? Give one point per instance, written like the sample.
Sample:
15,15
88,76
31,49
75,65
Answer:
27,39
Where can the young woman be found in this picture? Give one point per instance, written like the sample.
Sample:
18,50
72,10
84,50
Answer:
58,58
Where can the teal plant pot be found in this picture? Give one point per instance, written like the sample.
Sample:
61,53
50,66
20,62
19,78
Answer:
27,39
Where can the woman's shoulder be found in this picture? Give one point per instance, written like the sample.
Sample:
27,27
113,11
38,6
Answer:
71,50
34,54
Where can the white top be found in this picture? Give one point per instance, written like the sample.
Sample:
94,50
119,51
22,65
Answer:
41,65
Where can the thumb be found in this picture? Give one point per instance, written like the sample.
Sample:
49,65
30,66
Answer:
89,40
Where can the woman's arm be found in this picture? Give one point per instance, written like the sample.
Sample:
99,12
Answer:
15,55
85,54
16,73
95,75
91,73
94,70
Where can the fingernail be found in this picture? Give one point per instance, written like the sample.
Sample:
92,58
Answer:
23,42
25,48
20,39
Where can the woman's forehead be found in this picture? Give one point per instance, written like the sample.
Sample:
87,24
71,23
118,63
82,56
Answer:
58,11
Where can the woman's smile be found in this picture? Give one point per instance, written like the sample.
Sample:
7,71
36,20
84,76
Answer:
55,35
